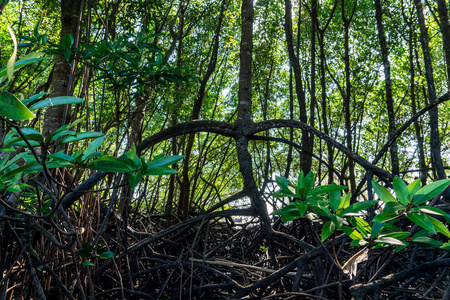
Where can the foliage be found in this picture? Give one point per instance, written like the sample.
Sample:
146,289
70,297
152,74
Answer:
326,205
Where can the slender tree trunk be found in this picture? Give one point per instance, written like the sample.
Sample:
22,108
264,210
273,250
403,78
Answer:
445,30
186,181
435,142
330,149
244,115
347,94
310,145
60,85
388,85
305,159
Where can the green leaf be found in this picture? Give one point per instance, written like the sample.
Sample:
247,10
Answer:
12,60
401,190
358,243
376,229
327,189
337,220
34,97
362,226
335,200
61,156
352,233
357,207
345,201
165,161
393,207
426,241
382,192
283,183
81,136
110,164
327,229
302,206
413,187
440,226
397,235
430,191
67,41
87,263
62,100
12,108
432,210
106,255
422,220
160,171
92,147
134,179
389,240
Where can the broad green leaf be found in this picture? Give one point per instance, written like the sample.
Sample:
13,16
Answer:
427,242
352,233
382,192
160,171
439,226
362,226
389,240
401,190
397,235
431,210
12,108
337,220
281,194
87,263
12,60
81,136
422,220
430,191
327,229
413,187
67,41
345,201
326,189
302,206
376,229
165,161
19,64
393,207
446,246
92,147
62,100
34,97
358,243
134,179
283,183
13,160
357,207
335,200
110,164
31,134
61,156
106,255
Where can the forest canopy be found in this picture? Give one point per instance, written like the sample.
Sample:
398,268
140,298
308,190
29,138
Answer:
224,149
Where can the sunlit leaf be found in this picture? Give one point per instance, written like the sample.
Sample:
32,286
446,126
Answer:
12,108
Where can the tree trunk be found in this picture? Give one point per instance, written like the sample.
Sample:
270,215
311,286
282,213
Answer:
347,94
61,82
388,85
305,159
445,30
435,142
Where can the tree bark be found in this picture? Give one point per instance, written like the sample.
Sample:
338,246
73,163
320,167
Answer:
445,30
435,142
347,93
388,86
305,160
60,85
